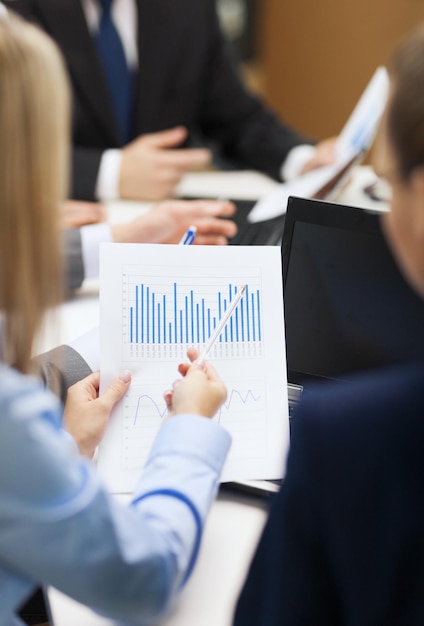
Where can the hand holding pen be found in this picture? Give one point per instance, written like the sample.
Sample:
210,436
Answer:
199,392
202,399
189,236
221,325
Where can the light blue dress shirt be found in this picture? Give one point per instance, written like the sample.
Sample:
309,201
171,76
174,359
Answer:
58,525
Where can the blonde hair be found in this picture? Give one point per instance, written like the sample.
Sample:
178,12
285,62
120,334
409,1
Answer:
34,162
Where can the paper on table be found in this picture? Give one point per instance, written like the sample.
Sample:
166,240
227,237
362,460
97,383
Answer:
309,185
148,319
241,185
352,142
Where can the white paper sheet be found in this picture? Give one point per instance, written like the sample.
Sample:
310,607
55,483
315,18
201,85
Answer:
242,185
155,301
352,142
274,203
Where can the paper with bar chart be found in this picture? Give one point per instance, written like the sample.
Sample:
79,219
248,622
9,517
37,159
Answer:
155,302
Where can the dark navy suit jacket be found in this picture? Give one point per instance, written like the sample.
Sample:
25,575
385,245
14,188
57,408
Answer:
185,76
344,543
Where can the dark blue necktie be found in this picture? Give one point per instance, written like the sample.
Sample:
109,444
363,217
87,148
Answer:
118,76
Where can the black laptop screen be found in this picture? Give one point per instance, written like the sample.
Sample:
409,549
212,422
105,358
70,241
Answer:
347,307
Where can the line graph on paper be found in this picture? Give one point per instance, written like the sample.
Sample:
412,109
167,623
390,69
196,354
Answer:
242,413
162,316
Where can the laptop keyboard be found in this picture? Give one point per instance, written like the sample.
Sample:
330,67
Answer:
293,392
267,233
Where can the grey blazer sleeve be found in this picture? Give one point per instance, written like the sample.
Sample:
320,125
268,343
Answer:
72,252
60,368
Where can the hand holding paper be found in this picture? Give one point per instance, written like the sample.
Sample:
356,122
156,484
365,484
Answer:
350,147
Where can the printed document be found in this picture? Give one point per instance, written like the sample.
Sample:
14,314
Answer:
158,300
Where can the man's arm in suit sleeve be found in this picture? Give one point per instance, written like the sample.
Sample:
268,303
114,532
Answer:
289,581
246,128
65,365
60,368
85,171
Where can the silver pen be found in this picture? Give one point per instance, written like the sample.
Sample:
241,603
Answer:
222,322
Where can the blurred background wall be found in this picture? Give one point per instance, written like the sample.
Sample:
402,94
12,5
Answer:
311,59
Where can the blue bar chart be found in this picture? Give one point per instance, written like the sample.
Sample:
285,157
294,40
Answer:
177,314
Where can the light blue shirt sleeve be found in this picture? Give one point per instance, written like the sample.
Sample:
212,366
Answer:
58,526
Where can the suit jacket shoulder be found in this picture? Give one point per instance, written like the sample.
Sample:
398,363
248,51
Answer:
345,532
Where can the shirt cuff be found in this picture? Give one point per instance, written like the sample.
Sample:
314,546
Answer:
295,160
91,238
107,186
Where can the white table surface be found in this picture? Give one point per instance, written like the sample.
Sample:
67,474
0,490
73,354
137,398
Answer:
236,520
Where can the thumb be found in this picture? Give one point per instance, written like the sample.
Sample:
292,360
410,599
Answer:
167,138
117,389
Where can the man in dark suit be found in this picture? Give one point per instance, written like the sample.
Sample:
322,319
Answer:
344,542
185,86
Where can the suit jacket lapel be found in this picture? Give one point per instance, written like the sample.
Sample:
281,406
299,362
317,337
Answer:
66,21
153,50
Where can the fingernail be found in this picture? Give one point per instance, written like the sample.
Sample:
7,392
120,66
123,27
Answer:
168,396
125,376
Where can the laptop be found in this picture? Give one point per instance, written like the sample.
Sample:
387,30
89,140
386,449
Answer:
347,307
